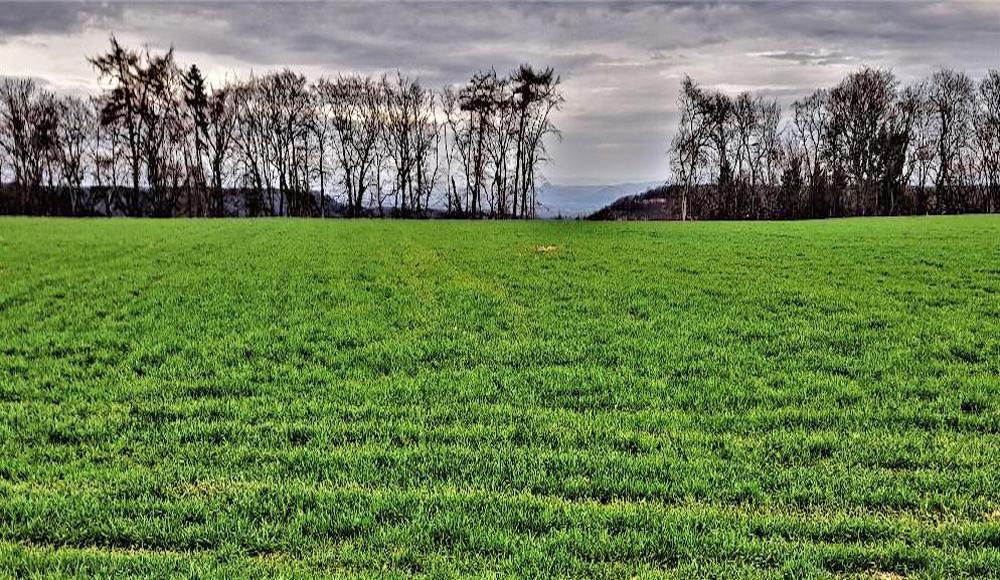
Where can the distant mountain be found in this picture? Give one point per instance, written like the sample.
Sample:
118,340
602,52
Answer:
657,203
571,201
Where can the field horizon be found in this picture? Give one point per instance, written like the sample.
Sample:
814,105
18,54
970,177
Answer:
303,397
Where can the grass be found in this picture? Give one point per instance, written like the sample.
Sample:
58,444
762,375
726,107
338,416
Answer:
379,398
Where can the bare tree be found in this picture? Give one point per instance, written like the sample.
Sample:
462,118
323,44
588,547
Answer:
865,138
410,138
537,96
286,105
354,107
862,107
143,98
951,96
459,150
28,125
987,137
767,134
923,150
810,119
479,100
220,132
757,149
250,138
74,133
689,147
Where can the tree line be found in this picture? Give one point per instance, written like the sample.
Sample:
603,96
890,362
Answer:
159,141
867,146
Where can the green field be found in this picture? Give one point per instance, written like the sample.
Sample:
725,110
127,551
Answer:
294,397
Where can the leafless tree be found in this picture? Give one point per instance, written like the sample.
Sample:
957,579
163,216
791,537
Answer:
537,94
410,137
286,107
862,147
810,119
951,95
354,106
28,127
143,97
74,134
220,133
689,147
987,137
861,106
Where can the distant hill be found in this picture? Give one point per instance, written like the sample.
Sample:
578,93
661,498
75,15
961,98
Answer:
656,203
567,201
571,201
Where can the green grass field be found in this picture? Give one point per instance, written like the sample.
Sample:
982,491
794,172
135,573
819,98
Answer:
286,397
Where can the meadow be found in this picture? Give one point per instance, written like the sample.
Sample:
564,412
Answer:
247,398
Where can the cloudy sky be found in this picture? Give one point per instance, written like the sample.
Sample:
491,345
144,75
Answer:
621,63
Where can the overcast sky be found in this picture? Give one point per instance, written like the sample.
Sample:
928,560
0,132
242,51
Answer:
621,63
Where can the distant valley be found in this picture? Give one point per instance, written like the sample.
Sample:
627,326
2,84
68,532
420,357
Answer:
571,201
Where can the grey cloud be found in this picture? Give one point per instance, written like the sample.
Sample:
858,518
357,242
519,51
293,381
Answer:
815,58
24,18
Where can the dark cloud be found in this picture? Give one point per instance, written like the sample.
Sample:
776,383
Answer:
25,18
